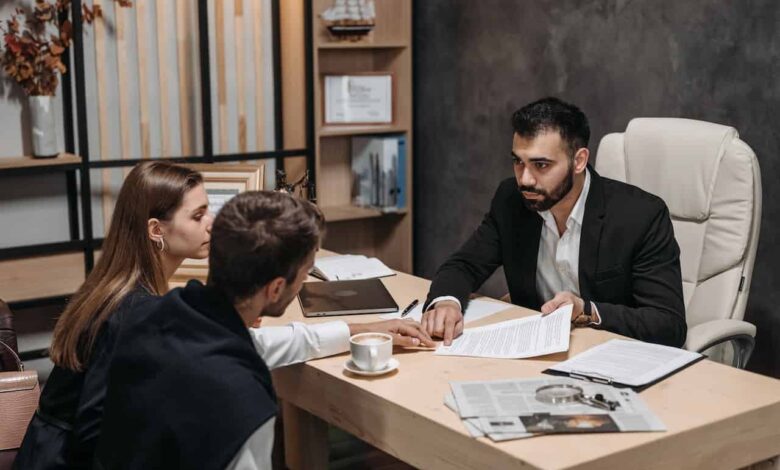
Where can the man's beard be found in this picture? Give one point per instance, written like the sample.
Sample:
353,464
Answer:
277,309
548,199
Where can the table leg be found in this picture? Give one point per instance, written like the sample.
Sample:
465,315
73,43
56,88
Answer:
305,439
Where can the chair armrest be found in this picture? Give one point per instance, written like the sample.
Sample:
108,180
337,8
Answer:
708,334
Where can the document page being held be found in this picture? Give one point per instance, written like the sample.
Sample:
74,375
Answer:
515,339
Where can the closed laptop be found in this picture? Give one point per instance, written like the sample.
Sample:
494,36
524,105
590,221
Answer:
321,299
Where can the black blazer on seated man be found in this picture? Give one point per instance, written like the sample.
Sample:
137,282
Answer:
629,261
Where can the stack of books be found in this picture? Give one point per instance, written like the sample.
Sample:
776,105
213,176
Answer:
379,172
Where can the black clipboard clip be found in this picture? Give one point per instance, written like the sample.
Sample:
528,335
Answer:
593,377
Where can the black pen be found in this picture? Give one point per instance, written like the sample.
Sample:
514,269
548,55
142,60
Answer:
409,308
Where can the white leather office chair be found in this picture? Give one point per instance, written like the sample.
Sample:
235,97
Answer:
711,182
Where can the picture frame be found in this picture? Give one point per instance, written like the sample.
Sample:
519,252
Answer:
358,98
222,182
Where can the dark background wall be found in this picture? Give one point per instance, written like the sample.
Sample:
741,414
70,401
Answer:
477,61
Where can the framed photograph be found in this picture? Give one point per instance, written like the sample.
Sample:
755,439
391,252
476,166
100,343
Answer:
222,183
358,99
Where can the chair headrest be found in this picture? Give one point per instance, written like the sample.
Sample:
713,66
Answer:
666,153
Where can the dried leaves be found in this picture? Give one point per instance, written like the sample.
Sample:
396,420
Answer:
32,55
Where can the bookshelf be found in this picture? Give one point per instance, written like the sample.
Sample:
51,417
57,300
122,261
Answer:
63,161
387,48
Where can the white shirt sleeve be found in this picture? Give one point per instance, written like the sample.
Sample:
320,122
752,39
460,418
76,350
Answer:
445,297
256,452
298,342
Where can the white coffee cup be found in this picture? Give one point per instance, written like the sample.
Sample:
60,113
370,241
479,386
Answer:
371,351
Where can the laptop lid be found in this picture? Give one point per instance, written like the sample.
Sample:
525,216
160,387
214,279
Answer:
323,299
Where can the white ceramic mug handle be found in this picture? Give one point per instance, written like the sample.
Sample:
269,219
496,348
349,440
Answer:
373,354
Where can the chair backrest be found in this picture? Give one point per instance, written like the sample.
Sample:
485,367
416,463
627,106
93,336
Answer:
711,182
8,360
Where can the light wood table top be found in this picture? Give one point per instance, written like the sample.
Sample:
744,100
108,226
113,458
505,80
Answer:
717,416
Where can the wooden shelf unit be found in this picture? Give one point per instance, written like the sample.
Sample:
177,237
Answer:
387,48
41,276
363,45
335,130
14,163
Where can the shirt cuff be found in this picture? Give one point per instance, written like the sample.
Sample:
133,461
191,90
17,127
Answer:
596,314
332,337
445,297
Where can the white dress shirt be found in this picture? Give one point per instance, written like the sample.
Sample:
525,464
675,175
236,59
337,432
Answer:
558,261
281,346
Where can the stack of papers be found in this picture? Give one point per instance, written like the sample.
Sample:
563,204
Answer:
349,268
509,409
515,339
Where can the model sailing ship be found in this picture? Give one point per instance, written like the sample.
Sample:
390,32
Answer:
350,20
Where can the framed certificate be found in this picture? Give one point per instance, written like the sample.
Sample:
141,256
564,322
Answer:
358,99
222,182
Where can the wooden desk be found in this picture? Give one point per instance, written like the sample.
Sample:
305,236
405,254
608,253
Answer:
717,416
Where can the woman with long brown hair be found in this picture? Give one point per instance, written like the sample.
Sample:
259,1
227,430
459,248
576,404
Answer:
161,217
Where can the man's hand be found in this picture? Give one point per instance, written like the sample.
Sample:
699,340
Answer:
444,320
406,333
561,299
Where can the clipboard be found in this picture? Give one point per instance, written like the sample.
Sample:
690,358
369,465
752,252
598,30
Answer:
638,364
602,379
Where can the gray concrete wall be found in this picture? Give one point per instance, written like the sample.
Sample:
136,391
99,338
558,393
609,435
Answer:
476,62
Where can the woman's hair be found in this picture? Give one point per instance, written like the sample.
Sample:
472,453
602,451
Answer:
130,258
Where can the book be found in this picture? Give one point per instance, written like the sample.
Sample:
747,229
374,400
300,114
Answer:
349,267
379,172
626,363
321,299
401,174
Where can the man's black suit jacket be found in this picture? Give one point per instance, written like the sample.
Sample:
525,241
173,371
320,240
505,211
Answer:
629,263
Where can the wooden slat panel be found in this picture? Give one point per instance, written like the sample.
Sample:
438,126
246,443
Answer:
142,40
219,20
184,38
107,200
257,22
163,23
293,73
240,92
122,74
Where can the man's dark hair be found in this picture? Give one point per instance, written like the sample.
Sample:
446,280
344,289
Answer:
259,236
553,114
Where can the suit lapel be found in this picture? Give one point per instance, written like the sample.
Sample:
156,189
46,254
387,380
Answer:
528,230
590,237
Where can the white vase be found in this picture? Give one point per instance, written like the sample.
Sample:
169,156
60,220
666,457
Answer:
44,134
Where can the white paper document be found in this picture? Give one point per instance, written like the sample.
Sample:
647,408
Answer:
515,339
476,310
350,268
631,363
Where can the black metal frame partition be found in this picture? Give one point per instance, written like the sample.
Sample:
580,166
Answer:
79,190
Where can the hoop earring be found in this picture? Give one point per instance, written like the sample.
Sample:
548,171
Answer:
160,242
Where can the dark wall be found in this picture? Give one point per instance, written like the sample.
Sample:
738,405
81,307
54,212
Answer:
477,61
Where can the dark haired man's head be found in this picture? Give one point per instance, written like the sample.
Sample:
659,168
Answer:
264,242
549,149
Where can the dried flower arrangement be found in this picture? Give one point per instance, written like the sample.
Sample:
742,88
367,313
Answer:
32,55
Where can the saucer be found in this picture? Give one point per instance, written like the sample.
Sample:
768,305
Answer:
391,366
